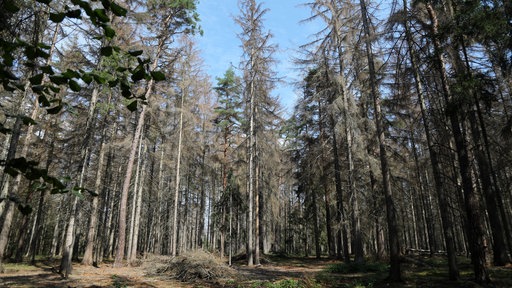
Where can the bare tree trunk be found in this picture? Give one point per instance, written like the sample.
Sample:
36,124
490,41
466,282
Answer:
202,201
395,273
177,188
252,148
9,206
69,240
138,211
257,238
118,262
134,200
91,234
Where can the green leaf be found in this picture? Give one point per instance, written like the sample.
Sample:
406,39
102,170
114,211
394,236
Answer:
4,130
158,75
55,182
99,79
54,89
41,53
138,74
106,51
25,209
30,52
77,191
37,79
113,83
118,10
11,7
43,46
106,4
132,106
35,173
77,14
28,121
101,14
135,53
73,85
109,32
57,17
71,74
87,78
39,89
43,101
125,90
48,70
54,110
20,164
58,80
11,171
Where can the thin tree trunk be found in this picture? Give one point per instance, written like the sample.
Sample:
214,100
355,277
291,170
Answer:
177,187
138,211
65,265
91,234
252,144
257,237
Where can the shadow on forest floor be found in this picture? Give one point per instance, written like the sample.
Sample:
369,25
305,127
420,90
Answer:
275,272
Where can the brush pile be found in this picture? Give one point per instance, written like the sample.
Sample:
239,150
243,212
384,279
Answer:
190,267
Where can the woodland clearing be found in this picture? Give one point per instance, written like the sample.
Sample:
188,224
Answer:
275,272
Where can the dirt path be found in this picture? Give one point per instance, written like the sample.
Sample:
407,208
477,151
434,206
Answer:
293,268
82,277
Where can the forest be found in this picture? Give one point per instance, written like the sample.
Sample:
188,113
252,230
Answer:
117,145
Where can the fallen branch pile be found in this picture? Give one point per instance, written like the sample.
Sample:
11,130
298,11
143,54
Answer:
190,267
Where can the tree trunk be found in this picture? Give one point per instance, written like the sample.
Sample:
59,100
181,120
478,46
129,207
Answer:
447,223
177,188
118,262
133,254
342,238
9,206
91,234
134,201
476,228
395,274
252,148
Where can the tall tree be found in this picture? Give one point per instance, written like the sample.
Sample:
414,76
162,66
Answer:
258,81
176,17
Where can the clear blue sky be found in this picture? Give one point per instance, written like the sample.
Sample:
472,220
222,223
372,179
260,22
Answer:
220,45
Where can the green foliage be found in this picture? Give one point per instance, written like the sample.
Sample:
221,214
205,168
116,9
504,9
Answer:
352,267
184,18
229,92
17,53
285,283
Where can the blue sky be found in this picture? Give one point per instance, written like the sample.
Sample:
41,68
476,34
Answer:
220,45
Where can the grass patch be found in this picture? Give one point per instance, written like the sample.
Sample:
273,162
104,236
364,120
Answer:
286,283
15,267
119,282
352,268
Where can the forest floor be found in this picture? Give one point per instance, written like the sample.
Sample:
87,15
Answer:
275,272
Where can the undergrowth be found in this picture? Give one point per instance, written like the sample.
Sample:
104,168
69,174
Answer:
351,268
